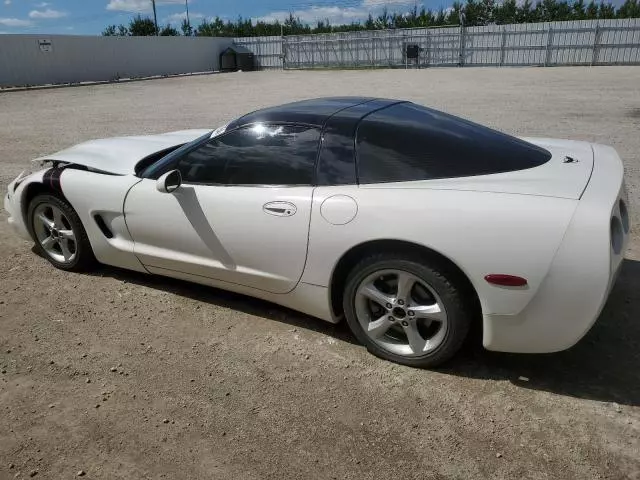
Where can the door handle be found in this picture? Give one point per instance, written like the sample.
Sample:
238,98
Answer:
279,209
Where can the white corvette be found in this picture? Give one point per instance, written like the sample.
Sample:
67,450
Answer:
410,223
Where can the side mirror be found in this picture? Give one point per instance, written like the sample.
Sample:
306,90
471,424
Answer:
169,182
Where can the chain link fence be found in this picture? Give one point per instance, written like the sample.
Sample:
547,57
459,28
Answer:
583,42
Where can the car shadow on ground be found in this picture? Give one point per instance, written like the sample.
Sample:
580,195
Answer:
231,300
603,366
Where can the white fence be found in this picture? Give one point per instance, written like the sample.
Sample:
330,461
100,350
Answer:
58,59
584,42
267,50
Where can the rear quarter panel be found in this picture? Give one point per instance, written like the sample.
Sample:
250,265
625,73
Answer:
480,232
581,276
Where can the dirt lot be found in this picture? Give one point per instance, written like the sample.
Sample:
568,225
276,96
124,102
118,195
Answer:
209,384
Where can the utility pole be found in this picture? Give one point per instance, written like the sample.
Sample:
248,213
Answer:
155,16
186,3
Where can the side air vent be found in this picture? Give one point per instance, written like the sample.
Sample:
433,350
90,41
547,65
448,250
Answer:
617,237
103,226
624,216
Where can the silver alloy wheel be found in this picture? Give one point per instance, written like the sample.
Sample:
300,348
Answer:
54,233
401,313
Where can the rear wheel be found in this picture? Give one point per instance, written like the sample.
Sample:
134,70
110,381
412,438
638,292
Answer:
405,310
59,234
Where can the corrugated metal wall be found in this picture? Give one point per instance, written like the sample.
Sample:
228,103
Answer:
55,59
584,42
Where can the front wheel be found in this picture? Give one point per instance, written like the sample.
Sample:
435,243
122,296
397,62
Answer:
405,310
59,234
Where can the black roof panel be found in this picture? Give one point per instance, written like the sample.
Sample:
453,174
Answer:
237,49
312,112
336,164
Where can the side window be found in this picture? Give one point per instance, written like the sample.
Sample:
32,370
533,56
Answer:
336,164
255,155
205,164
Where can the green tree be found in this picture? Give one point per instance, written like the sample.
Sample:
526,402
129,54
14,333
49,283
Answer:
323,26
453,14
592,10
476,12
169,31
383,20
187,29
116,31
629,9
141,27
295,26
110,31
606,10
579,11
506,13
440,18
370,23
205,29
406,20
564,11
487,9
552,10
215,28
524,13
426,18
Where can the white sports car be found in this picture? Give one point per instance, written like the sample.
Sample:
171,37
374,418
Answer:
410,223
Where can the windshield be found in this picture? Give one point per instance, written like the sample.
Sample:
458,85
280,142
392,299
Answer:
152,170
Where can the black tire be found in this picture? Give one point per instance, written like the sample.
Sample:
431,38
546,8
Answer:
84,259
459,310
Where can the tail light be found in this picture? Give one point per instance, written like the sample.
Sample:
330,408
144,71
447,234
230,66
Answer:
506,280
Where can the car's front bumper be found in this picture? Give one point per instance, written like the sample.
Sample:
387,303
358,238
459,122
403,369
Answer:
12,205
581,276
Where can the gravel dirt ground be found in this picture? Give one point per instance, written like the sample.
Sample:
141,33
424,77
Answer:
123,375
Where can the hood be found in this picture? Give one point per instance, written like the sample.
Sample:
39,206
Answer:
120,155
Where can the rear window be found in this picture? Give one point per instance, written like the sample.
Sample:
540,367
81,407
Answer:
408,142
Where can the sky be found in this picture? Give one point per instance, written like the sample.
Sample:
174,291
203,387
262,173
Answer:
90,17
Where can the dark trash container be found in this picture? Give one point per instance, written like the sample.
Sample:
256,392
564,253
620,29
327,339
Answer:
235,58
228,61
413,51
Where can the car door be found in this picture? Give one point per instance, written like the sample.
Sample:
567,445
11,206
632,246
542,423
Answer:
241,214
